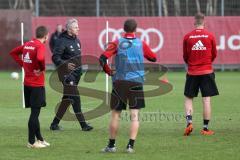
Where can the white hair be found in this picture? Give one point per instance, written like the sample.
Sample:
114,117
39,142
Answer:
70,22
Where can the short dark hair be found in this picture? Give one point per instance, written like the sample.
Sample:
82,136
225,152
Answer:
199,19
130,25
41,31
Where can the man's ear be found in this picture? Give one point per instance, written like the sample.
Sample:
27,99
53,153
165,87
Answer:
45,39
195,24
204,24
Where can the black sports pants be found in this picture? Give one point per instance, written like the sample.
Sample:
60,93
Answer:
70,96
34,126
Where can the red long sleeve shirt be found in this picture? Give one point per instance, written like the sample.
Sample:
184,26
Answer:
199,51
33,59
112,48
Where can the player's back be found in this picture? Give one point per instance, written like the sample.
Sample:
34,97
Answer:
129,60
199,46
31,62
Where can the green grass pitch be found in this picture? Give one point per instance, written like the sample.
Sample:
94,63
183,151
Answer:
160,138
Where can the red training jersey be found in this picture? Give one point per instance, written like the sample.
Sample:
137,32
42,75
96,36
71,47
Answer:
33,59
199,51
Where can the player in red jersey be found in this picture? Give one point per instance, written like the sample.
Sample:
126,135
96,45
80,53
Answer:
199,52
33,63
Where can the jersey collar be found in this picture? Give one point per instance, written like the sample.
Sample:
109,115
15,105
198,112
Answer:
129,35
36,40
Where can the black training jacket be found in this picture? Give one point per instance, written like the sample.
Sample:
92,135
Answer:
67,49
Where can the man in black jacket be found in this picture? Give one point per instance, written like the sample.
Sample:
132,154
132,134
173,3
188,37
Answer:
67,58
55,36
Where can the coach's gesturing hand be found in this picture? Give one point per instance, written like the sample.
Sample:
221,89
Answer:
69,79
71,66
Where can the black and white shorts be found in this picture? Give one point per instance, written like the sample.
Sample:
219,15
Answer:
35,97
206,83
126,92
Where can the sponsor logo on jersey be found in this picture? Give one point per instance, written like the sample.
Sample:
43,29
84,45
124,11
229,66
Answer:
199,36
26,58
29,47
199,46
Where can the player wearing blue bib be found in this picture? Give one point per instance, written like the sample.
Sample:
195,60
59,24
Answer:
127,80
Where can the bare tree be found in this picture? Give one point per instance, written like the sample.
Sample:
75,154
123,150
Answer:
187,9
152,8
142,7
138,11
21,4
14,4
215,7
125,7
62,8
147,7
209,8
10,4
31,5
198,6
165,9
177,7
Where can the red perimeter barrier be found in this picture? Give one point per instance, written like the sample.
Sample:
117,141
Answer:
163,34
